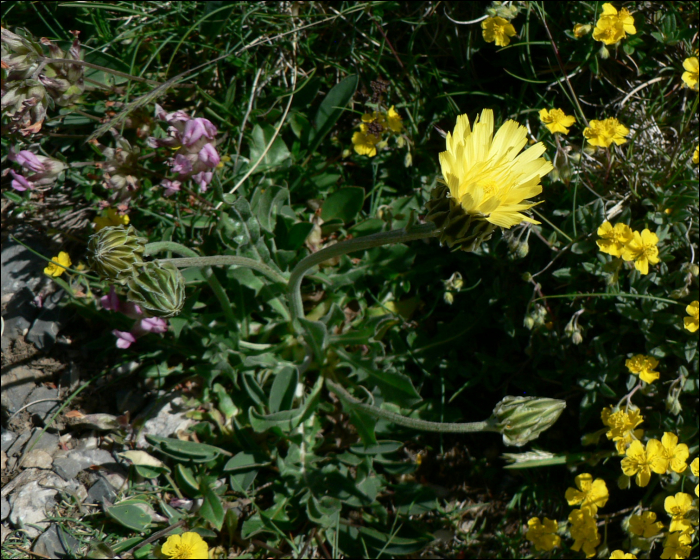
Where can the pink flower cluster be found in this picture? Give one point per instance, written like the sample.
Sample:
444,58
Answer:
142,326
195,142
44,170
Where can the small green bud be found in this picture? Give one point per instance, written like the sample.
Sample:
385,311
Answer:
157,288
523,419
113,252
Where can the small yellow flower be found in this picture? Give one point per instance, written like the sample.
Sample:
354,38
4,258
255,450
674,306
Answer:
581,30
676,453
642,250
676,545
645,525
643,366
55,270
604,133
620,554
613,239
393,120
365,144
622,427
692,322
110,218
486,173
678,507
187,545
543,535
696,155
498,30
556,120
642,462
591,494
690,76
584,531
694,469
613,25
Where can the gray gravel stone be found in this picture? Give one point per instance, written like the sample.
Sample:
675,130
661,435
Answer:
20,267
4,509
56,543
101,491
169,419
17,383
37,458
46,441
18,444
7,438
49,323
41,411
66,467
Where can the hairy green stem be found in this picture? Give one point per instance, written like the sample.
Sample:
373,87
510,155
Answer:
445,427
384,238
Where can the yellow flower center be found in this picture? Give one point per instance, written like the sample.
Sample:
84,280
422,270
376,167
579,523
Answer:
183,551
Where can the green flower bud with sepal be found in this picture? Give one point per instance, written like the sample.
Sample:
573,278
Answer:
523,419
157,288
113,252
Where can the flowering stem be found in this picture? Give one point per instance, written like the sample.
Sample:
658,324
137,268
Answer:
306,264
444,427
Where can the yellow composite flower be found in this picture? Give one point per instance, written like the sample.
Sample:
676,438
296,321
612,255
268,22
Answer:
690,76
694,470
676,545
620,554
603,133
543,535
584,531
676,453
645,525
187,545
110,218
641,462
692,322
498,30
613,25
487,175
55,270
613,239
393,120
556,120
591,494
643,366
678,507
642,250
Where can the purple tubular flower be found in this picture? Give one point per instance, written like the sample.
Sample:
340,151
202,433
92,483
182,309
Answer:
154,325
124,339
181,165
209,156
28,160
203,178
171,187
195,129
20,183
110,302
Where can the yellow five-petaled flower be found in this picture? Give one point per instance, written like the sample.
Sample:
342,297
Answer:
185,546
692,322
591,494
543,535
690,76
56,270
604,133
497,30
642,250
556,120
613,239
613,25
645,525
641,462
643,366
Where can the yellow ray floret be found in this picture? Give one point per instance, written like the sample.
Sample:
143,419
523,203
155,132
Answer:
488,175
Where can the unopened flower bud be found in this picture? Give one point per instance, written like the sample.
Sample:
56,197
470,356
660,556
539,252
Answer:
157,288
523,419
113,252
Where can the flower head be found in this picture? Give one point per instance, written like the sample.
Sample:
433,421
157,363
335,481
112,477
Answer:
584,531
676,545
485,174
613,25
110,217
678,507
497,30
613,239
690,76
55,270
622,427
581,30
20,182
696,155
591,493
604,133
187,545
643,366
364,143
556,120
694,470
642,250
642,462
393,120
676,453
621,555
645,525
692,322
543,535
124,339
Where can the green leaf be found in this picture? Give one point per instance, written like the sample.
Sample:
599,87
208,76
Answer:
130,515
186,480
278,154
359,542
287,420
185,450
344,204
364,424
14,197
283,388
297,235
212,510
331,108
220,13
226,406
316,336
414,499
324,511
266,204
381,447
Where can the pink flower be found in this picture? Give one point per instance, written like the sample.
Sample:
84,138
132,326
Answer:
28,160
110,302
131,310
124,339
203,178
181,165
171,187
195,129
20,183
209,156
154,325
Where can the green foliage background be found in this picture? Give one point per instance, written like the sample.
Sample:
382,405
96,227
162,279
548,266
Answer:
298,469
